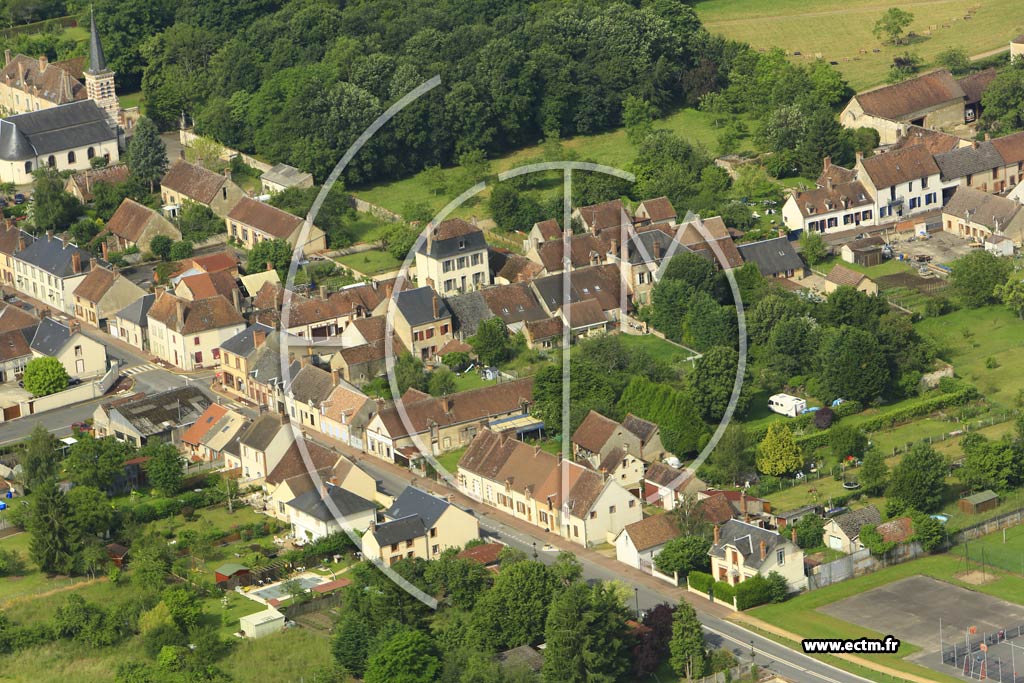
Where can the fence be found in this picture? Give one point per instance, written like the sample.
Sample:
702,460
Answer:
364,206
989,526
975,659
318,604
841,569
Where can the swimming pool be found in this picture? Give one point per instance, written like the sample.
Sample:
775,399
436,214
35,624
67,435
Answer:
277,591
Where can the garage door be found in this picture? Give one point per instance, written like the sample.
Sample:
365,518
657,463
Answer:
835,543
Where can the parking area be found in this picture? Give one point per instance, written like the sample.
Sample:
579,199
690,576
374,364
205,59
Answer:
939,247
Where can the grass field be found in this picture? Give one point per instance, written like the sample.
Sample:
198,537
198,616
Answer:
610,148
131,100
658,348
885,268
968,338
842,31
370,262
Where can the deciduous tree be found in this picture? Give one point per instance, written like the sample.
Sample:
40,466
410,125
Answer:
918,482
687,644
683,555
44,376
893,24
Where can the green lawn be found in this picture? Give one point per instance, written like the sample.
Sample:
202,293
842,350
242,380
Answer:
472,380
842,31
370,262
366,228
131,100
889,267
450,460
658,348
293,655
967,338
610,148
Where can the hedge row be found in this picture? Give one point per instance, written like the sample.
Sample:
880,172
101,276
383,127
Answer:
160,508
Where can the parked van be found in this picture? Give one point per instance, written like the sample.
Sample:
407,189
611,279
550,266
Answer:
787,405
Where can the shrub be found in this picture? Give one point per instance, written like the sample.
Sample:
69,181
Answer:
724,592
187,512
778,586
753,592
701,581
823,418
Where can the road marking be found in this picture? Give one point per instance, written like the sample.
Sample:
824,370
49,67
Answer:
136,369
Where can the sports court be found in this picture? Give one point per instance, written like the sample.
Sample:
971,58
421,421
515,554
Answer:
911,608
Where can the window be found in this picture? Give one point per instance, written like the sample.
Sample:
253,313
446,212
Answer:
51,161
833,222
408,544
611,509
199,357
90,153
280,507
430,333
543,517
448,266
28,167
866,215
71,157
476,259
969,178
575,531
848,218
195,341
433,549
462,262
78,351
462,244
444,329
394,546
930,198
216,354
632,502
995,173
433,533
915,202
593,514
780,557
735,558
884,211
224,192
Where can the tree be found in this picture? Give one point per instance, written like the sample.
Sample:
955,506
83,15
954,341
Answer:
409,373
892,24
1011,293
491,341
54,538
919,480
161,247
53,208
778,586
713,378
638,118
683,555
566,569
460,580
165,468
687,644
904,66
586,636
84,230
351,642
398,239
976,275
928,531
181,250
852,366
845,441
990,464
778,453
96,462
39,457
1003,102
514,610
955,59
874,473
147,156
441,382
183,607
708,324
91,511
278,253
197,222
407,657
809,531
812,246
44,376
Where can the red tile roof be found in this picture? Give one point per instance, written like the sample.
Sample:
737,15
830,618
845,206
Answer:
195,182
594,432
485,553
265,218
194,434
895,102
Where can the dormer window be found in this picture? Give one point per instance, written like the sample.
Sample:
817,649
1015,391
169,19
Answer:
462,244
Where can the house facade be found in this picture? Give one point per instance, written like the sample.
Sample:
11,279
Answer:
189,182
102,294
741,550
82,356
453,258
419,525
189,334
49,269
250,222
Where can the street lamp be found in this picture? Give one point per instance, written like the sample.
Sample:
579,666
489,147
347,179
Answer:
636,599
535,550
752,653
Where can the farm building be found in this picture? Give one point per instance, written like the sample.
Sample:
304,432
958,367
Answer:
982,501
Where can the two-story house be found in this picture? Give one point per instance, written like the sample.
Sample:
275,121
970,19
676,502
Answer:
741,550
442,424
329,510
49,269
345,413
982,217
308,388
422,321
209,435
292,477
135,225
102,294
80,355
185,182
250,222
904,182
12,240
250,366
453,258
832,206
189,334
419,525
261,446
131,323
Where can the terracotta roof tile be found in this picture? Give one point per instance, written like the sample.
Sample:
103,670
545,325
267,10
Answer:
594,432
206,285
545,329
86,181
194,434
900,166
843,276
653,531
1010,147
895,102
658,209
549,229
896,530
265,218
96,284
130,220
464,406
46,81
199,316
195,182
609,214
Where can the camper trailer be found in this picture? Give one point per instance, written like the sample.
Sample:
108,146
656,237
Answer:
784,404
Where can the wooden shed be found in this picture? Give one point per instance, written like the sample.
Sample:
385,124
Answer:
117,554
982,501
229,569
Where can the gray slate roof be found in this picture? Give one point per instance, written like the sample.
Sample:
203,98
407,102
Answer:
772,256
417,306
314,505
641,247
50,337
285,175
966,161
57,129
261,432
53,255
414,501
746,538
311,385
97,62
244,343
138,310
468,311
158,413
851,522
396,531
265,366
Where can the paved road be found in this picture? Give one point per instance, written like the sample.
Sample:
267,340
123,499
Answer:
720,633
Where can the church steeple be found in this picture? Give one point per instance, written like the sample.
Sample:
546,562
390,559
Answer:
97,62
99,80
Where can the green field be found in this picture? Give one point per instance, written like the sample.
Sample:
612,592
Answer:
610,148
993,551
370,262
842,31
658,348
967,338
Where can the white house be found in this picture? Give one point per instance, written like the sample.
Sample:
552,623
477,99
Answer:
312,517
640,542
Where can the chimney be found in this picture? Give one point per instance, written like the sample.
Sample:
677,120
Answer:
792,534
828,183
860,156
827,161
76,262
21,243
718,535
270,266
615,247
236,299
437,308
323,292
336,375
7,57
73,326
43,61
103,248
657,249
258,337
180,305
49,235
743,502
764,550
21,73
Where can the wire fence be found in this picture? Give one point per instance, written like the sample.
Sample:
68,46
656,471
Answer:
988,655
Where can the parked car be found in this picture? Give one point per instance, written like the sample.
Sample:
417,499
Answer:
19,198
74,381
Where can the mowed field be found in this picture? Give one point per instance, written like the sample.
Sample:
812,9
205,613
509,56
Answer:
841,30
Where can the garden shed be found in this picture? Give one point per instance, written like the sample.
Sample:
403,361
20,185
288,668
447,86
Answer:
228,570
261,624
982,501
